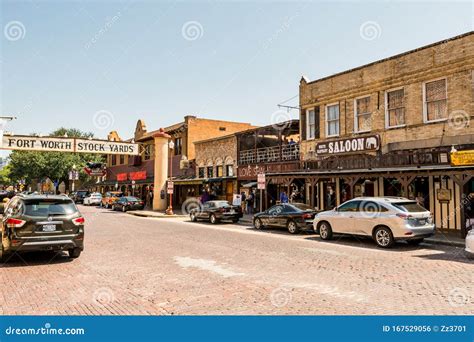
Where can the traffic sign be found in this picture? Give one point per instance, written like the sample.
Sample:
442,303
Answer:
170,187
261,181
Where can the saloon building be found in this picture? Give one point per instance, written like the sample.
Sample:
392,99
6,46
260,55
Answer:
401,126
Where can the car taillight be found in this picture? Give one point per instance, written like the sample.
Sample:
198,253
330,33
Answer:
78,221
404,216
307,216
15,223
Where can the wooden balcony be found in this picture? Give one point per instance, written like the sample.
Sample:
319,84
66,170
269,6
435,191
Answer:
274,154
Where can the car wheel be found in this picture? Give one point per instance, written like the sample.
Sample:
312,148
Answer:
193,217
124,209
106,205
292,227
325,231
74,253
258,224
213,219
415,242
235,220
383,237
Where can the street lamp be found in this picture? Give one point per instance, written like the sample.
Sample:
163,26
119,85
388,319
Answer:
169,210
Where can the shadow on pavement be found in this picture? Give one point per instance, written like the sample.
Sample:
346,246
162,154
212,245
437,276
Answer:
34,259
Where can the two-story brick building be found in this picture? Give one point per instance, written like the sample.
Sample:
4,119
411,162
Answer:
394,127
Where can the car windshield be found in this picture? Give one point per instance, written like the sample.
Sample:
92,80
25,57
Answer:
116,195
81,193
45,208
221,204
410,207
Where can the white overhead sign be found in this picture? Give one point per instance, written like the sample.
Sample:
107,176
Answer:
54,144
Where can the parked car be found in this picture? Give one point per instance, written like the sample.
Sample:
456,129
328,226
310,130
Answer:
215,211
42,222
294,217
385,219
80,195
110,198
127,203
470,243
94,198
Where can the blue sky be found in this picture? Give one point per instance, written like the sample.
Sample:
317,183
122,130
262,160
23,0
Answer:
101,65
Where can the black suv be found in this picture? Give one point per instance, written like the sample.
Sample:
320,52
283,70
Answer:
80,195
42,222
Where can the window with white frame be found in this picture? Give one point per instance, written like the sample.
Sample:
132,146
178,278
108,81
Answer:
311,126
435,100
362,115
395,107
332,120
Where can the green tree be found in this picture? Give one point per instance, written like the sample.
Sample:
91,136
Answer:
31,165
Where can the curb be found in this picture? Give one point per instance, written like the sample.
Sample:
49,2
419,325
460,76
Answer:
445,242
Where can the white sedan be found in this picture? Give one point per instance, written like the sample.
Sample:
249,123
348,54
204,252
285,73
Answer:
470,243
93,199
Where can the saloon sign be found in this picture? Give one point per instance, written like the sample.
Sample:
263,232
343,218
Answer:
54,144
350,145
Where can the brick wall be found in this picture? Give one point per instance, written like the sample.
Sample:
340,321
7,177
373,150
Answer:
452,59
218,151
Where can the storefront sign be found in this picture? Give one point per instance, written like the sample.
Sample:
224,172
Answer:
251,172
462,158
122,177
54,144
170,187
444,195
138,175
350,145
237,199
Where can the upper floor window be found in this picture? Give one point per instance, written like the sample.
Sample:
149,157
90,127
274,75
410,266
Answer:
113,159
178,146
202,172
311,126
229,170
122,159
435,100
219,171
210,172
362,115
332,120
395,108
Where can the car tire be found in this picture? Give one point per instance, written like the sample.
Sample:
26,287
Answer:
383,237
235,220
258,224
124,209
193,217
325,231
292,227
213,219
106,205
415,242
74,253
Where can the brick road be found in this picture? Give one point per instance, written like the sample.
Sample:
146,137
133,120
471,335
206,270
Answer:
135,265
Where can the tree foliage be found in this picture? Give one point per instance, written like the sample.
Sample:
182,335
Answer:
32,165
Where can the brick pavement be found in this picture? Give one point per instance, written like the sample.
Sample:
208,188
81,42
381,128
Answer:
134,265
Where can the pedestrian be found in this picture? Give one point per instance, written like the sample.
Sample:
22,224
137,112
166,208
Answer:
243,201
283,197
250,202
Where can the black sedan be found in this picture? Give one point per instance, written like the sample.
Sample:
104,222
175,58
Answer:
294,217
127,203
215,211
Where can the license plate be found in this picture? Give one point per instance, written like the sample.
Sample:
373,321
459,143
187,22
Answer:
422,222
49,228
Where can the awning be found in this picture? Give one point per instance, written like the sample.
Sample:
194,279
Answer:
187,181
249,185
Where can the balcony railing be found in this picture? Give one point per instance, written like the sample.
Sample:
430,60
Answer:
405,158
270,154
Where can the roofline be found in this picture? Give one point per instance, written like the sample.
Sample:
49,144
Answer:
222,137
304,78
267,126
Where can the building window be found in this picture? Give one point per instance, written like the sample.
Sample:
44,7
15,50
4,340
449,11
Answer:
222,129
219,171
148,152
435,100
362,115
178,146
122,159
395,108
202,172
210,172
332,120
311,126
229,170
114,159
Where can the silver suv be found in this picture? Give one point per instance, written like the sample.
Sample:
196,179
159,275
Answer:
385,219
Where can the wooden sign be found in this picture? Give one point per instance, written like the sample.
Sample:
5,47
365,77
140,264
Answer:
462,158
349,145
56,144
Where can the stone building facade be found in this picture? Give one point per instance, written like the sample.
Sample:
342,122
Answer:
399,127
